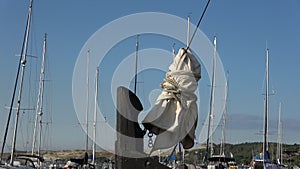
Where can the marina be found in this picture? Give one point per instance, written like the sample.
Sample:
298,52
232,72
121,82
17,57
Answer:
113,89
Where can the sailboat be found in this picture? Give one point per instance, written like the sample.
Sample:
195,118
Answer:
264,161
210,115
84,161
211,110
16,160
39,106
280,163
217,161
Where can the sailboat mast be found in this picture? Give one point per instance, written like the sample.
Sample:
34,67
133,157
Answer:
136,61
42,92
213,95
23,62
39,105
265,145
222,151
17,78
95,116
87,101
211,112
279,142
188,32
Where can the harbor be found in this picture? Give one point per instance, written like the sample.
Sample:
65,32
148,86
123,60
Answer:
209,85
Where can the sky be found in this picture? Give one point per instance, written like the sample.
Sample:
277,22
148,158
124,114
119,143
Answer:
244,30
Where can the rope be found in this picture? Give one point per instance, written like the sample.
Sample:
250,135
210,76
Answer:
150,134
198,24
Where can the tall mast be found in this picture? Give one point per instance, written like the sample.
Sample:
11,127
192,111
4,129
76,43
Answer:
279,142
95,116
188,32
222,151
23,63
211,112
213,95
23,52
42,93
136,61
265,145
87,101
39,105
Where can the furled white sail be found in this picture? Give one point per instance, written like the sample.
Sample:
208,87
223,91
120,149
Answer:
174,117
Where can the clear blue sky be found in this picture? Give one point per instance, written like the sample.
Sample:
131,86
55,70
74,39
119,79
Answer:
243,28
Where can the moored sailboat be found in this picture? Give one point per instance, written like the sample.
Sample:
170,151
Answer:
18,160
39,107
221,160
263,161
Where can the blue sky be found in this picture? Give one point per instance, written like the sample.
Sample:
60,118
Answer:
243,29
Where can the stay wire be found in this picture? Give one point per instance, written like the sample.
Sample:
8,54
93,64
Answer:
198,24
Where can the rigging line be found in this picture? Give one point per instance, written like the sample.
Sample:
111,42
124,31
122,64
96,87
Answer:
46,136
198,24
21,128
28,103
194,33
15,86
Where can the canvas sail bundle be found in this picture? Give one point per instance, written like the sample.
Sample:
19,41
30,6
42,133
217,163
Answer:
174,117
